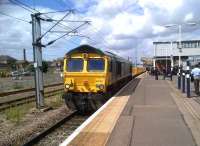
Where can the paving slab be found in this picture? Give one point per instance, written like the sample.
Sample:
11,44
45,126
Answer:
151,118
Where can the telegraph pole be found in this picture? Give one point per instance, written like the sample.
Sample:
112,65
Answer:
37,57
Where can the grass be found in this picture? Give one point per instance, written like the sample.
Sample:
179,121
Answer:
17,86
56,101
15,114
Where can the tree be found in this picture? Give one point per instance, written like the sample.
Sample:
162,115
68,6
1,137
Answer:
45,66
30,68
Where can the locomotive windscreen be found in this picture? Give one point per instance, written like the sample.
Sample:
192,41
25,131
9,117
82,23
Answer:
96,64
75,65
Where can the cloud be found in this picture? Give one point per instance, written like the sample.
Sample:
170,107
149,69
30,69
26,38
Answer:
131,29
188,17
122,26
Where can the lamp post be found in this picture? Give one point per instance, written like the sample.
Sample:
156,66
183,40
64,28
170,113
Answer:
179,47
179,57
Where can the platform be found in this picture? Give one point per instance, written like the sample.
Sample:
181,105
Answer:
150,115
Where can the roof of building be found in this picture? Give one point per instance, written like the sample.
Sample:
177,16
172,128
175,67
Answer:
7,58
21,61
168,42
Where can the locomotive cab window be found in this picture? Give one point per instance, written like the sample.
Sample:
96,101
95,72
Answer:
96,64
75,65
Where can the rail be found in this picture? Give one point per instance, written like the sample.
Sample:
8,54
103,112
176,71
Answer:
2,94
40,136
24,100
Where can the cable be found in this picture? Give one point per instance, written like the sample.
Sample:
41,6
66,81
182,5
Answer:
25,5
34,10
79,35
70,41
50,18
2,13
98,34
53,41
59,24
14,2
101,36
54,25
71,20
59,11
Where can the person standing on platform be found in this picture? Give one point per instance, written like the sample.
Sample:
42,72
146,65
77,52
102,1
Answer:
156,73
171,73
164,73
196,74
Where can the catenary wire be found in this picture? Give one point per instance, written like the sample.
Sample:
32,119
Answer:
2,13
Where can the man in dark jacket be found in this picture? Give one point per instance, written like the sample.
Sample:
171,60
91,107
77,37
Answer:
156,73
164,73
196,74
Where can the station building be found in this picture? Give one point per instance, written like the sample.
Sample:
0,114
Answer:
166,54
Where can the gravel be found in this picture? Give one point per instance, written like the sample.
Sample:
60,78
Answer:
33,123
61,133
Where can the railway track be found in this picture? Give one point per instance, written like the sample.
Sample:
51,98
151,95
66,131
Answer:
69,123
2,94
5,104
25,100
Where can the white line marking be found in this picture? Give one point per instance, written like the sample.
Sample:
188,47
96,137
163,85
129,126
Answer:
82,126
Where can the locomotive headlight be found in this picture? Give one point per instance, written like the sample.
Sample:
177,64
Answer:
67,86
61,75
100,86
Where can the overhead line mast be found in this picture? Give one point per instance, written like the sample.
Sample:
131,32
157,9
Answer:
37,58
37,45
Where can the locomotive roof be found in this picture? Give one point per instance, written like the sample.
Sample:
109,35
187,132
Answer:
89,49
85,49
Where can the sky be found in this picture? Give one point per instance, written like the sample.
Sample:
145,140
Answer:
125,27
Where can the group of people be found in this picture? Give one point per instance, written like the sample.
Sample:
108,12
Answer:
163,72
195,76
